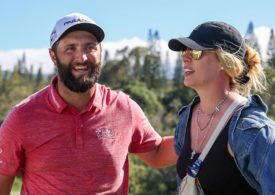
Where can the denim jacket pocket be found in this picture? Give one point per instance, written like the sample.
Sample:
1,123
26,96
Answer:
247,131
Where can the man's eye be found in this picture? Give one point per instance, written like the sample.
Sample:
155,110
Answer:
70,49
91,48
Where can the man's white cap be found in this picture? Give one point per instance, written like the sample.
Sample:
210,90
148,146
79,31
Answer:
73,22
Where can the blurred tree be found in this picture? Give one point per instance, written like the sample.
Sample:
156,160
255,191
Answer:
270,51
39,76
269,95
146,180
178,73
146,98
151,72
271,61
15,86
137,56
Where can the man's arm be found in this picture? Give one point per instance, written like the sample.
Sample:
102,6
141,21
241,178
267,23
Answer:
162,156
6,184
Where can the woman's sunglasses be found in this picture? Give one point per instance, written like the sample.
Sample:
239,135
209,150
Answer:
195,54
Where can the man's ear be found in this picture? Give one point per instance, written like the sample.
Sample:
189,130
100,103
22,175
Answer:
52,55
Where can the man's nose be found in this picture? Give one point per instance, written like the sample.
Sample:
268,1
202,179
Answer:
81,57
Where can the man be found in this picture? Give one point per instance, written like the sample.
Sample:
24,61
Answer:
73,136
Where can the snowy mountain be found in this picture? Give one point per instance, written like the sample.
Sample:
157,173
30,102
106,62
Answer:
40,57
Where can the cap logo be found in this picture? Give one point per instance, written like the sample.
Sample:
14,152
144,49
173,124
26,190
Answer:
76,20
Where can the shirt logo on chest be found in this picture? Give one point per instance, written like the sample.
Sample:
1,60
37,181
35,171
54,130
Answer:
105,133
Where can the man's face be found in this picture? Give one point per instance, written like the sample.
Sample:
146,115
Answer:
77,59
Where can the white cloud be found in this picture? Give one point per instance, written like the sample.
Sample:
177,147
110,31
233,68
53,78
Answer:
40,57
263,34
36,57
112,47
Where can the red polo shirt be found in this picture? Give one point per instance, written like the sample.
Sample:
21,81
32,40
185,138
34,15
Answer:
59,150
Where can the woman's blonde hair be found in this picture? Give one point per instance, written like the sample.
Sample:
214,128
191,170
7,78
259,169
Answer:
246,74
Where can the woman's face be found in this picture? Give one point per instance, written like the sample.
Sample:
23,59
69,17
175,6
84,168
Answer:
199,72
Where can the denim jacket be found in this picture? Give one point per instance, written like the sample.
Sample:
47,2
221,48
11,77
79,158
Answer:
252,139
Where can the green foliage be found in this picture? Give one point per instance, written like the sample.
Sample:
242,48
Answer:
16,186
147,180
271,62
14,87
178,73
151,72
146,98
137,56
269,95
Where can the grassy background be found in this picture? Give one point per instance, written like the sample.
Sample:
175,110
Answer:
16,186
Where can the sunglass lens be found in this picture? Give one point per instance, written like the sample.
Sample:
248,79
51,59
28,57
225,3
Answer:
195,54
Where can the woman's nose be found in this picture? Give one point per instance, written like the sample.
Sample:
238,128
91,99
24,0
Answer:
185,58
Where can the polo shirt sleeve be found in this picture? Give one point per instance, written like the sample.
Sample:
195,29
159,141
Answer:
11,152
144,138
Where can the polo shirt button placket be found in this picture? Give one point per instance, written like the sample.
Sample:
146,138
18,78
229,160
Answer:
79,139
1,151
79,132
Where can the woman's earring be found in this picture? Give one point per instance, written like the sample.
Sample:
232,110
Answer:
222,68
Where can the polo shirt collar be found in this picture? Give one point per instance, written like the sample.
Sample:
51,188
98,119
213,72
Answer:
97,99
59,104
55,98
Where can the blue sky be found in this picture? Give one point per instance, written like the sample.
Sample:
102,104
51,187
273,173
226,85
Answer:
28,23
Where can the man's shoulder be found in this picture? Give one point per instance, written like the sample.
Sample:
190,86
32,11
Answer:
26,108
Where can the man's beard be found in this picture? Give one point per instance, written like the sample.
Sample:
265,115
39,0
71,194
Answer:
81,84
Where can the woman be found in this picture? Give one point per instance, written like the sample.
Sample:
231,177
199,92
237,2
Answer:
221,68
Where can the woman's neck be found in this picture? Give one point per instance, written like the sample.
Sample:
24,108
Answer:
211,99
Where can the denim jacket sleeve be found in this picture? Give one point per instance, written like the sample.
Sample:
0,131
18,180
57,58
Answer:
252,139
